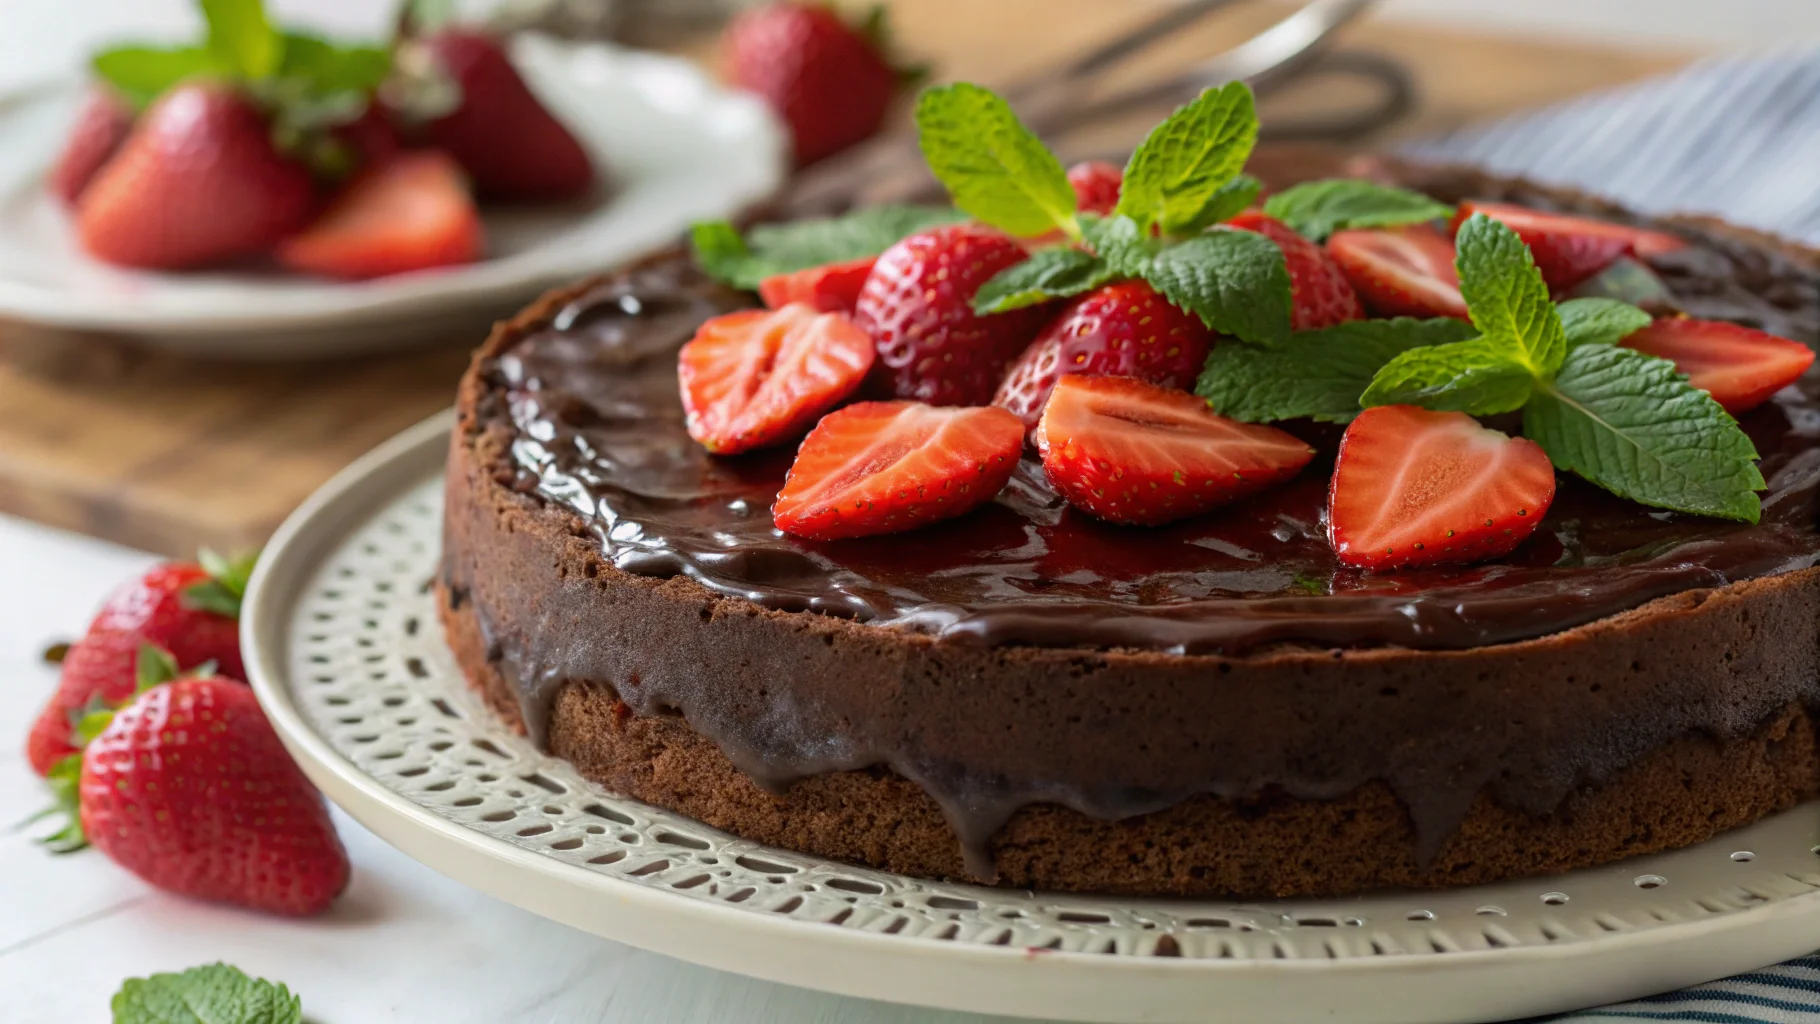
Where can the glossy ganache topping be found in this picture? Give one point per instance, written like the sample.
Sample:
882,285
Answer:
599,429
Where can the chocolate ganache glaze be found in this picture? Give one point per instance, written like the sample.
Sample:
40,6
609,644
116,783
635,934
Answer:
598,429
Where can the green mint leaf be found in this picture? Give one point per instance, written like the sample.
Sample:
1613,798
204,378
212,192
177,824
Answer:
991,164
1506,296
1235,281
242,38
1316,375
1600,321
1175,172
1227,202
216,994
1047,274
1319,208
1475,376
326,68
1630,281
141,73
798,245
1631,424
1125,247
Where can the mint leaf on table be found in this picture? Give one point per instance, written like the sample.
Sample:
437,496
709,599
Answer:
1047,274
1317,209
991,165
1177,170
1600,321
1475,376
242,38
1631,424
770,249
1506,296
1316,375
140,73
1227,202
1235,281
216,994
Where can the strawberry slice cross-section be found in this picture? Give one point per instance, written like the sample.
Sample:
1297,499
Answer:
1739,366
1130,451
831,288
885,467
410,212
1413,488
1568,250
760,377
1401,271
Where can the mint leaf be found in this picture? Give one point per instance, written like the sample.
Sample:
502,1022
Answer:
1176,171
1631,424
216,994
1227,202
1316,375
140,73
1047,274
242,38
1632,281
1475,376
326,68
1235,281
991,164
1600,321
1506,296
1120,242
1319,208
798,245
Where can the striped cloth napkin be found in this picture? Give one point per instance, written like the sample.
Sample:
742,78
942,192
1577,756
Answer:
1738,138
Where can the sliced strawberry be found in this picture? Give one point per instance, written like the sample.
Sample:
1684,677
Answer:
1321,294
1413,488
1133,452
1096,186
1740,367
410,212
1401,271
917,305
831,288
1569,250
883,467
1124,329
761,377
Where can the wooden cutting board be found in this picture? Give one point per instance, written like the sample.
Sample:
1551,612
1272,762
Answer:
166,454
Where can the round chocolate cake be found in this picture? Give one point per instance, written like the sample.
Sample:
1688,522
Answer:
1032,697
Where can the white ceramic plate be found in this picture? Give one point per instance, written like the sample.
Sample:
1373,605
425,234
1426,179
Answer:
677,147
344,650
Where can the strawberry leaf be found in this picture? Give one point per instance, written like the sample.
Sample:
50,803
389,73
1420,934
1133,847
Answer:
141,73
1319,208
1475,376
1177,170
993,167
1600,321
155,666
216,994
65,783
1506,295
1235,281
1316,375
242,38
772,249
1048,274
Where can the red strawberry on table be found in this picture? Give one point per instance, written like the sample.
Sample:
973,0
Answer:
1401,271
831,288
1413,488
1320,293
1096,186
102,125
409,212
1739,366
883,467
831,82
190,789
181,607
197,181
1124,329
761,377
1133,452
917,306
1568,250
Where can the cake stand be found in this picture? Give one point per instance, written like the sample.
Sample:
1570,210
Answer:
345,651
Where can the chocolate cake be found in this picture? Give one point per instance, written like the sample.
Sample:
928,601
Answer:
1030,697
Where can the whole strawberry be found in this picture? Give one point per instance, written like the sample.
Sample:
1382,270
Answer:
1319,291
830,82
1096,186
101,126
182,607
917,306
1124,330
198,181
190,789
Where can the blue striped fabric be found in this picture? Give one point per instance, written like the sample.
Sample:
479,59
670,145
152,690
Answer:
1736,137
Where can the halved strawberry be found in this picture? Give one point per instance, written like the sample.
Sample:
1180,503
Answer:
1569,250
1124,329
1132,452
1322,296
1401,271
882,467
831,288
1740,367
761,377
410,212
1096,186
1413,488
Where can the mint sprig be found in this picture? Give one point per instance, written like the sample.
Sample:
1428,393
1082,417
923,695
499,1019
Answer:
1048,274
1316,375
1235,281
1317,209
216,994
1600,321
1506,296
1476,376
771,249
1183,164
993,166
